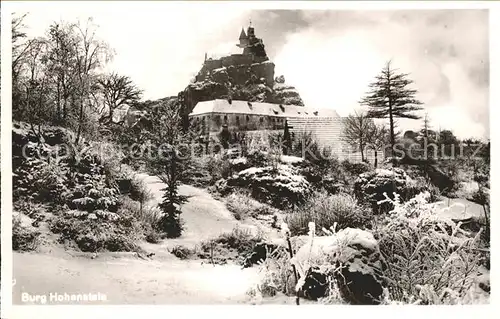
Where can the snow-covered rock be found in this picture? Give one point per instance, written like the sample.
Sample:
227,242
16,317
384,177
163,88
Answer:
351,256
281,186
371,186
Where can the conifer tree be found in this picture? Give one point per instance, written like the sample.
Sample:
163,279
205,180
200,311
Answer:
390,97
169,162
287,139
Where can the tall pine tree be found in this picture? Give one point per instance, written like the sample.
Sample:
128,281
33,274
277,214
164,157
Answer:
390,97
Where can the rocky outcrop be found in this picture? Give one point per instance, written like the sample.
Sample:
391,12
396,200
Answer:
287,94
254,83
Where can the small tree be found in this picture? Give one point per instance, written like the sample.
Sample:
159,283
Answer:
427,136
448,143
377,139
171,222
287,139
168,162
390,98
356,131
225,136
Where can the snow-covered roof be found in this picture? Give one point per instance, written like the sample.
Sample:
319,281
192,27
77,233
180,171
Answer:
259,108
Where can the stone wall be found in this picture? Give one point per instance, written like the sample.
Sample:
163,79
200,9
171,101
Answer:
328,133
210,65
231,60
237,59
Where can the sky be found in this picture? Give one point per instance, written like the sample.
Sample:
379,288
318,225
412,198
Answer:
329,56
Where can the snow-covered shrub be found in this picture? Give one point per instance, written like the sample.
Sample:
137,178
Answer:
339,267
242,205
370,187
23,238
326,210
182,252
282,188
206,170
146,215
355,168
235,245
276,275
259,158
40,180
97,231
429,258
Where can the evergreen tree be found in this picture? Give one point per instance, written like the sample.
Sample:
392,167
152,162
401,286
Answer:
225,137
390,98
427,138
287,139
424,132
168,162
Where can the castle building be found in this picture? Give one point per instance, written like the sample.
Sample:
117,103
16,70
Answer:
252,116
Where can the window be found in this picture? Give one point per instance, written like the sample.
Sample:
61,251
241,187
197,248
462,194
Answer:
261,120
225,118
248,118
237,120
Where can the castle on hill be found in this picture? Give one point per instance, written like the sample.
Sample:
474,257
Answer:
253,53
267,109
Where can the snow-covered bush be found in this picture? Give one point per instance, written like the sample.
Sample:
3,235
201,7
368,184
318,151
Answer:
355,168
370,187
281,188
326,210
23,238
242,205
429,259
340,267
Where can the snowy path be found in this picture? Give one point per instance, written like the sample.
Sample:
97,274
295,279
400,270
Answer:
163,280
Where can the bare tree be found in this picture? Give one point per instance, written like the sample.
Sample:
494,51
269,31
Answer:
356,131
91,54
378,138
117,90
61,60
19,46
34,82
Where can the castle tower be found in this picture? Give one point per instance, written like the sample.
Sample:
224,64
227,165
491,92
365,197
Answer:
243,40
251,31
250,44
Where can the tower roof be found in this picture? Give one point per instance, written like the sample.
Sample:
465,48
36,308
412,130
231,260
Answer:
243,34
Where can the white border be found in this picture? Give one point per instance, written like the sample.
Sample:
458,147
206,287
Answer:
206,311
6,160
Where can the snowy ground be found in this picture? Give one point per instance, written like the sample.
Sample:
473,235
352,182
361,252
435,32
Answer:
162,280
